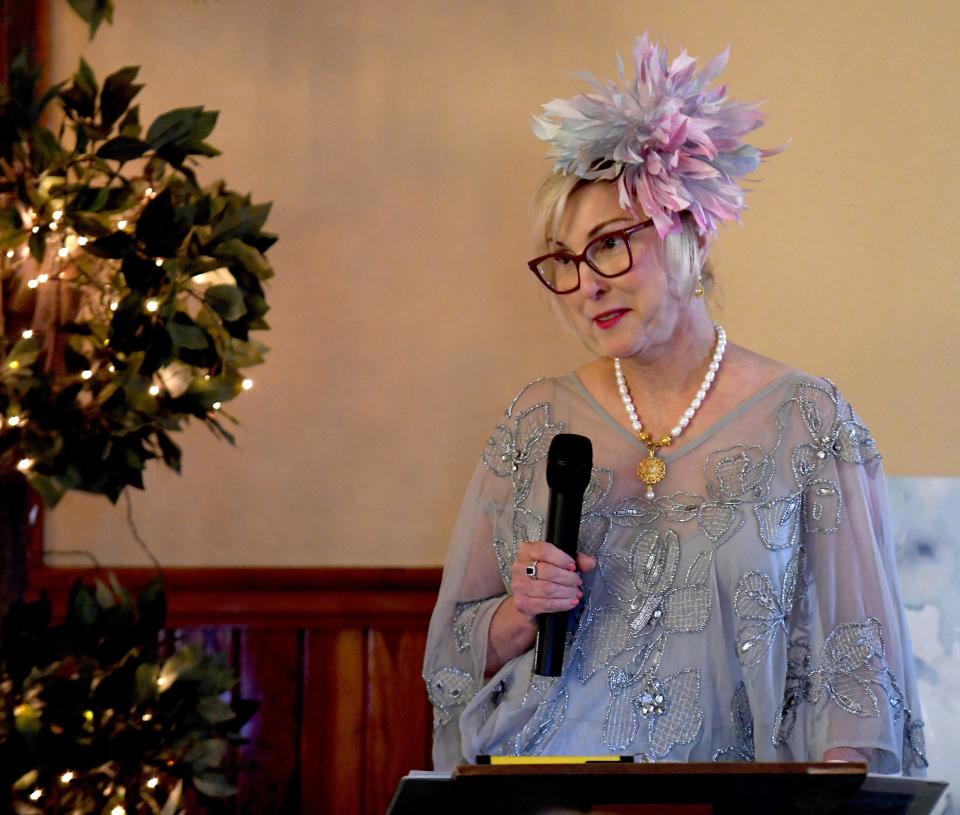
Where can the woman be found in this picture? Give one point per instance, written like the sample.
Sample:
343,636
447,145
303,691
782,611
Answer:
734,594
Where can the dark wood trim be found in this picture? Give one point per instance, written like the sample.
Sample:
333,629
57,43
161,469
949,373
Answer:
23,24
252,597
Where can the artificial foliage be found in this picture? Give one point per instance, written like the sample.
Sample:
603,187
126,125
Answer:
129,290
107,714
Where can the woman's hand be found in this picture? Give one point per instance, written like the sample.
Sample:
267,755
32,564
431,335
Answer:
513,628
557,585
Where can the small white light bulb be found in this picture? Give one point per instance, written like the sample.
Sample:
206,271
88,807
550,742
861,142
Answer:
63,251
152,783
152,305
67,777
13,421
35,230
148,192
88,374
57,214
159,261
27,334
36,795
154,390
247,384
118,810
113,305
82,240
10,253
23,465
33,283
111,368
122,224
43,278
217,405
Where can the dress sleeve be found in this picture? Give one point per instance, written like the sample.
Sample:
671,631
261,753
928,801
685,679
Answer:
493,519
850,674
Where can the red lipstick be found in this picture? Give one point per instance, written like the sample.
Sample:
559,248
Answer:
608,319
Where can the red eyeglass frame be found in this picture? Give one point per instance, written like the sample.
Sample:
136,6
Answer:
626,232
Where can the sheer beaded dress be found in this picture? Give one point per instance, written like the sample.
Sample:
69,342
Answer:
749,612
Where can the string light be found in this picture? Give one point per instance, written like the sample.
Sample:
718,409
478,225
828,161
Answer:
32,283
36,795
82,240
152,305
63,251
162,682
159,261
27,334
57,214
43,278
113,305
53,226
10,253
247,384
206,377
154,390
14,364
111,368
67,777
118,810
217,405
147,717
88,374
148,192
13,421
24,464
35,230
122,224
152,783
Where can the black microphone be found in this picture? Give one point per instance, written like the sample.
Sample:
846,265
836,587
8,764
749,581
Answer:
568,473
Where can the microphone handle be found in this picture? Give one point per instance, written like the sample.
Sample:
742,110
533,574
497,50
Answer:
563,531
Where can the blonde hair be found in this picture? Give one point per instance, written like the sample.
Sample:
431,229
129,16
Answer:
681,251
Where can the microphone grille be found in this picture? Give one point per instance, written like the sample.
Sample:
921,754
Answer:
569,462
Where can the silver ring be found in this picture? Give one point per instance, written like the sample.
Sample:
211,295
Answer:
532,570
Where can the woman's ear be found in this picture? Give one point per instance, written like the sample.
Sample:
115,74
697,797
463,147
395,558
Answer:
706,244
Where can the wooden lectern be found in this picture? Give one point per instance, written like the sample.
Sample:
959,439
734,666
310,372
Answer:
665,789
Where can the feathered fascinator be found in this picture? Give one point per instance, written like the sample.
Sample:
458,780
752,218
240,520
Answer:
671,142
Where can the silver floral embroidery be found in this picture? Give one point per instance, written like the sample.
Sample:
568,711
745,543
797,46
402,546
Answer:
448,688
741,716
670,705
763,610
464,616
547,718
519,442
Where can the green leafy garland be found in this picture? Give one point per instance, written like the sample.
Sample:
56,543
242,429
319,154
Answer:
128,290
95,718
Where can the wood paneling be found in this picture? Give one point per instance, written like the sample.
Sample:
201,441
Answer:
334,657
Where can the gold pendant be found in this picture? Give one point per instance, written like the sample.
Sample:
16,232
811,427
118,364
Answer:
652,469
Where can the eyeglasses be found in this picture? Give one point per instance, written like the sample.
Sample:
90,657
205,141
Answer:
609,255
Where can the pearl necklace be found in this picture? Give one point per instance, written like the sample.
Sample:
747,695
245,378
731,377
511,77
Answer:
652,470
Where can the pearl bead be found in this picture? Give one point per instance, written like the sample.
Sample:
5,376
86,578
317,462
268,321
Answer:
695,404
684,422
710,376
701,393
688,413
676,431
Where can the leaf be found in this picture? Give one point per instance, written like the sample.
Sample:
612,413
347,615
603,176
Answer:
83,608
241,222
214,710
26,780
187,335
169,450
118,91
115,245
162,226
105,598
122,148
93,12
234,249
227,301
130,124
38,245
181,125
214,785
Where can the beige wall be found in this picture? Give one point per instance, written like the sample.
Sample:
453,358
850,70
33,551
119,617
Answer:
393,139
